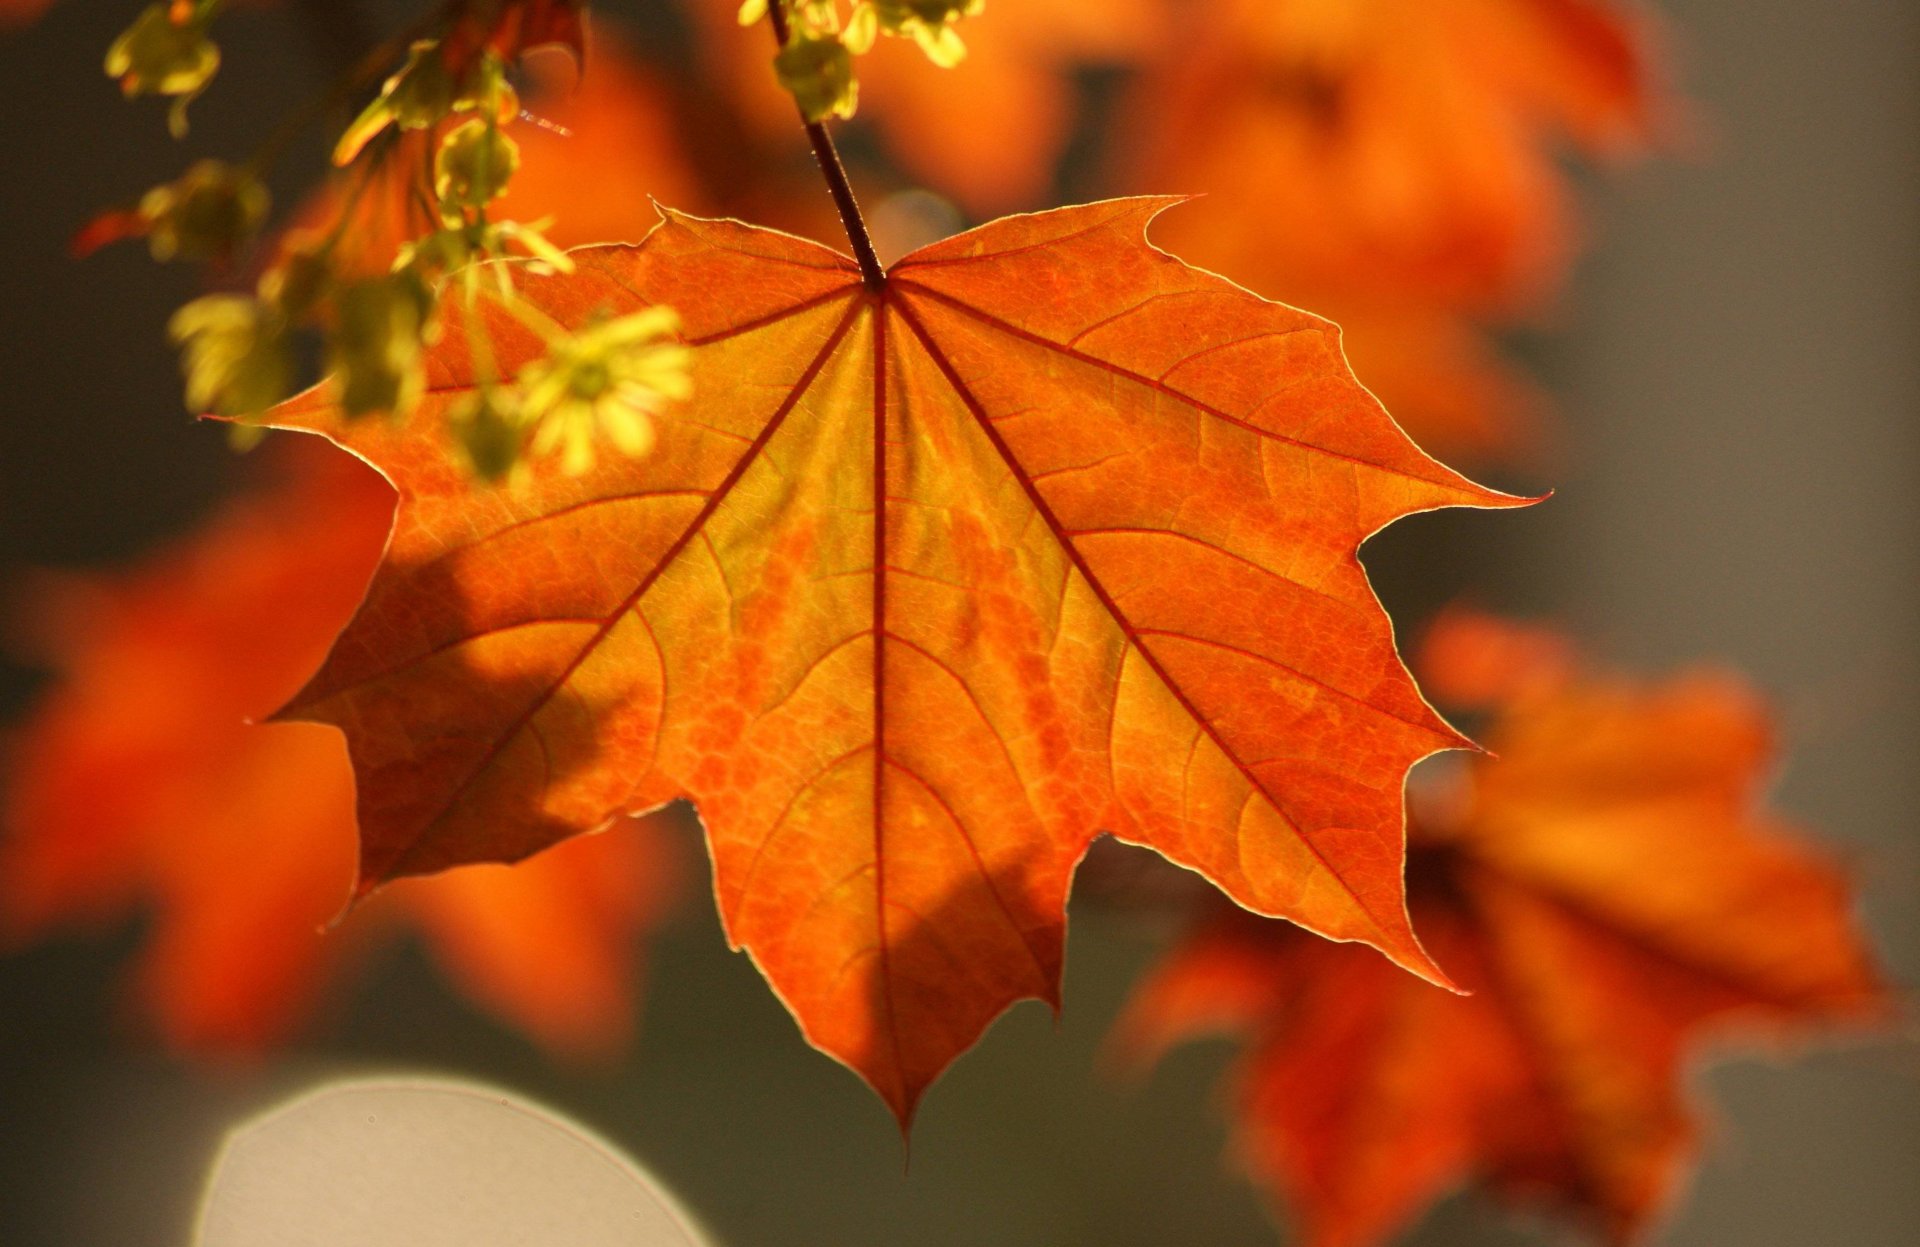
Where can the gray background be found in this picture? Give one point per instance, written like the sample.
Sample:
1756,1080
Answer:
1737,364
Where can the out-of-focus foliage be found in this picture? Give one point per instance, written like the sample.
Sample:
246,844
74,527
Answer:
1397,166
139,785
1614,890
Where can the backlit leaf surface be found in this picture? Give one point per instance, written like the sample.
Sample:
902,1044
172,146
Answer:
921,591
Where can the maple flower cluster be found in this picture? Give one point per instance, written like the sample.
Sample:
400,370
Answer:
450,103
166,52
816,63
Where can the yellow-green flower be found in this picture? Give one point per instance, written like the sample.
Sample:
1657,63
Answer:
425,92
233,352
474,164
928,23
206,214
818,70
607,378
166,52
375,347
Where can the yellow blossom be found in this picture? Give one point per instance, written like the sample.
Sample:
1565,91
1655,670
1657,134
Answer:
474,164
204,215
166,52
233,351
606,379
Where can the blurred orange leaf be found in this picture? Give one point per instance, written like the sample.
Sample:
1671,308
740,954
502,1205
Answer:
1613,890
139,782
1396,166
923,589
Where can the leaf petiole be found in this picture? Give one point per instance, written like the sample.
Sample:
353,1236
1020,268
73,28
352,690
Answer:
872,273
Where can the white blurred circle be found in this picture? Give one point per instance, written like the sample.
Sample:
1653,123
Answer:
429,1163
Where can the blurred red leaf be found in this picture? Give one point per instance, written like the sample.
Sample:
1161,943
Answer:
1614,892
139,782
1111,584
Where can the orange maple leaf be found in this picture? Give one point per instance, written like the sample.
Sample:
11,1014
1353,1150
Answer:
924,588
139,782
1613,891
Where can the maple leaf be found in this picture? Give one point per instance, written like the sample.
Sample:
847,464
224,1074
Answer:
1614,892
924,588
139,783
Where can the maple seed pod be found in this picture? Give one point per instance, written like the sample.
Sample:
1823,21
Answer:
165,52
234,354
474,164
818,71
206,214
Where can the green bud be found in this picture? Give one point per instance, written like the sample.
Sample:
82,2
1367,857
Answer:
234,354
474,164
819,72
206,214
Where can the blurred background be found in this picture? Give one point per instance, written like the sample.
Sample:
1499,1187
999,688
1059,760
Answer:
1722,390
